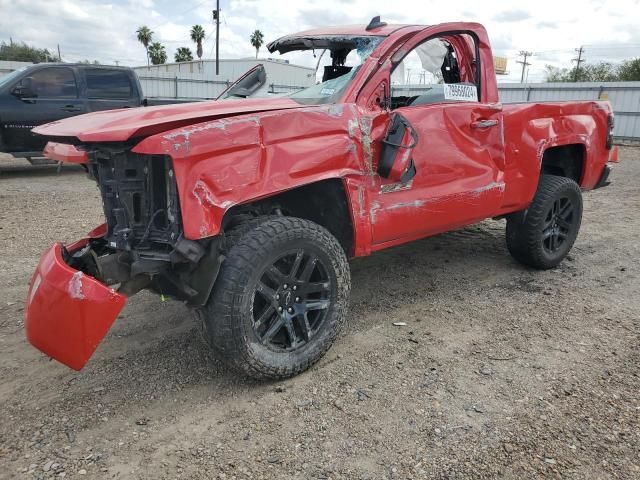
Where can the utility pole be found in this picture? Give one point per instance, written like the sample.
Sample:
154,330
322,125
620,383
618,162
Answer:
59,56
525,55
578,61
216,17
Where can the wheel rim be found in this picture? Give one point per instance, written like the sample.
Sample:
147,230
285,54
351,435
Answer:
291,301
558,225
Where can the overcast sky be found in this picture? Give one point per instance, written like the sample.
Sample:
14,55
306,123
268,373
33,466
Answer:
105,30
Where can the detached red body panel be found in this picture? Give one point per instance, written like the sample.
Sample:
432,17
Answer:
68,313
171,176
63,152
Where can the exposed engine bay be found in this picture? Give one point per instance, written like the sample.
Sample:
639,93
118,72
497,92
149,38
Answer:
144,246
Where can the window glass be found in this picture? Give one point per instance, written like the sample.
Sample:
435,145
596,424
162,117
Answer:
10,77
436,71
107,84
336,67
54,82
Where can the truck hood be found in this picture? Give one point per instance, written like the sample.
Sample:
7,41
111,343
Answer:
124,124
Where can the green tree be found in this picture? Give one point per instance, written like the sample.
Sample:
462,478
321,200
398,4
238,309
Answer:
197,35
157,53
183,54
145,37
21,52
588,72
629,71
257,39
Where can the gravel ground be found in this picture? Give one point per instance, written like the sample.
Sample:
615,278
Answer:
501,371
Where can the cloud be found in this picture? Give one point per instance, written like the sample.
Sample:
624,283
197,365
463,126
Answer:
105,31
547,24
512,16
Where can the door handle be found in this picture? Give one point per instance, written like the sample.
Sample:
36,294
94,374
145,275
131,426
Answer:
71,108
484,123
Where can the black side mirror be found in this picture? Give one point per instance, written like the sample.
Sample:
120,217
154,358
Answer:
24,89
396,162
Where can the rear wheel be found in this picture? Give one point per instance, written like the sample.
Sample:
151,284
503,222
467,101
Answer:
280,299
550,226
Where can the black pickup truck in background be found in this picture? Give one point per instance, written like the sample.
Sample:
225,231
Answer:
42,93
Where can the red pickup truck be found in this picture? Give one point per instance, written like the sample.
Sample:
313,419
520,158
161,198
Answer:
247,210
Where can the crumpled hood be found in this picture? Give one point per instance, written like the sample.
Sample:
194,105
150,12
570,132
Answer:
123,124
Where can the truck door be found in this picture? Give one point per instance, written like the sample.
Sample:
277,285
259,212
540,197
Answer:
452,157
109,88
45,95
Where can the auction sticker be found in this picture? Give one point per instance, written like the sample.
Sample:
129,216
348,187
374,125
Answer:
460,92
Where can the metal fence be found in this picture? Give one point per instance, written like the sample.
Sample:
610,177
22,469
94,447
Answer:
195,89
182,88
624,98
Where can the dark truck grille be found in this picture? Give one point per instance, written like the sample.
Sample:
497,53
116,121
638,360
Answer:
140,200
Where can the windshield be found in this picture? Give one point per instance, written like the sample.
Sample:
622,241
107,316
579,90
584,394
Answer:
325,92
7,79
335,61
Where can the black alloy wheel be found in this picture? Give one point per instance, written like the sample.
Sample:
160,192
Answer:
558,224
291,301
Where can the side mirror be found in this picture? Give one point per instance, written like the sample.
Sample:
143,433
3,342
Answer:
396,162
24,89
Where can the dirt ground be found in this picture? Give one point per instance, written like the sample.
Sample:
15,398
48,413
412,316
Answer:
500,372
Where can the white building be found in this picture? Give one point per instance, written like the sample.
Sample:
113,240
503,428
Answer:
197,79
8,66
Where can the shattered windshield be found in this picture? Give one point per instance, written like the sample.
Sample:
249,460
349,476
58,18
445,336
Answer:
335,65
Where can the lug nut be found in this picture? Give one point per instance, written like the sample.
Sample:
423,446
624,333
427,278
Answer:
280,309
295,287
285,286
290,310
297,299
277,296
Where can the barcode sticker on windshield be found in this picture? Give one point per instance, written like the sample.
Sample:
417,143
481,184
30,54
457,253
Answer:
460,92
327,91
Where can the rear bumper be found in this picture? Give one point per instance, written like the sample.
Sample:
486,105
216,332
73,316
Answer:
67,312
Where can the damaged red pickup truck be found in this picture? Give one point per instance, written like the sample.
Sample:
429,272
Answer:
247,210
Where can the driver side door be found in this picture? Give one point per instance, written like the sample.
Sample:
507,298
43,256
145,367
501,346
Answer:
458,159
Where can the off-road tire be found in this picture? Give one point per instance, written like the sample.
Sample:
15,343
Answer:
527,235
228,316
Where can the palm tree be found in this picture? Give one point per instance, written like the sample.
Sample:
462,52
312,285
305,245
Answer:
197,35
183,54
157,53
257,39
145,36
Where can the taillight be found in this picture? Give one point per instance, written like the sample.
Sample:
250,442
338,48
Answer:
610,125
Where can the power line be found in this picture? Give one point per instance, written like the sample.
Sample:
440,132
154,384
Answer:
525,64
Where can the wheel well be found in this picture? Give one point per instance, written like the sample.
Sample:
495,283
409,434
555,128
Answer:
324,203
564,161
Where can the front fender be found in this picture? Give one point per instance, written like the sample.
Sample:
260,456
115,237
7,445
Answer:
230,161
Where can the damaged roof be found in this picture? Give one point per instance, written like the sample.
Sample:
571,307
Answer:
310,39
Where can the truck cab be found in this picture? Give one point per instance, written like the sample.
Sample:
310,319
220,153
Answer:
43,93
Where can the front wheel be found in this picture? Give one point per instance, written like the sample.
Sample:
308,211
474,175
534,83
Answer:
280,299
550,226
